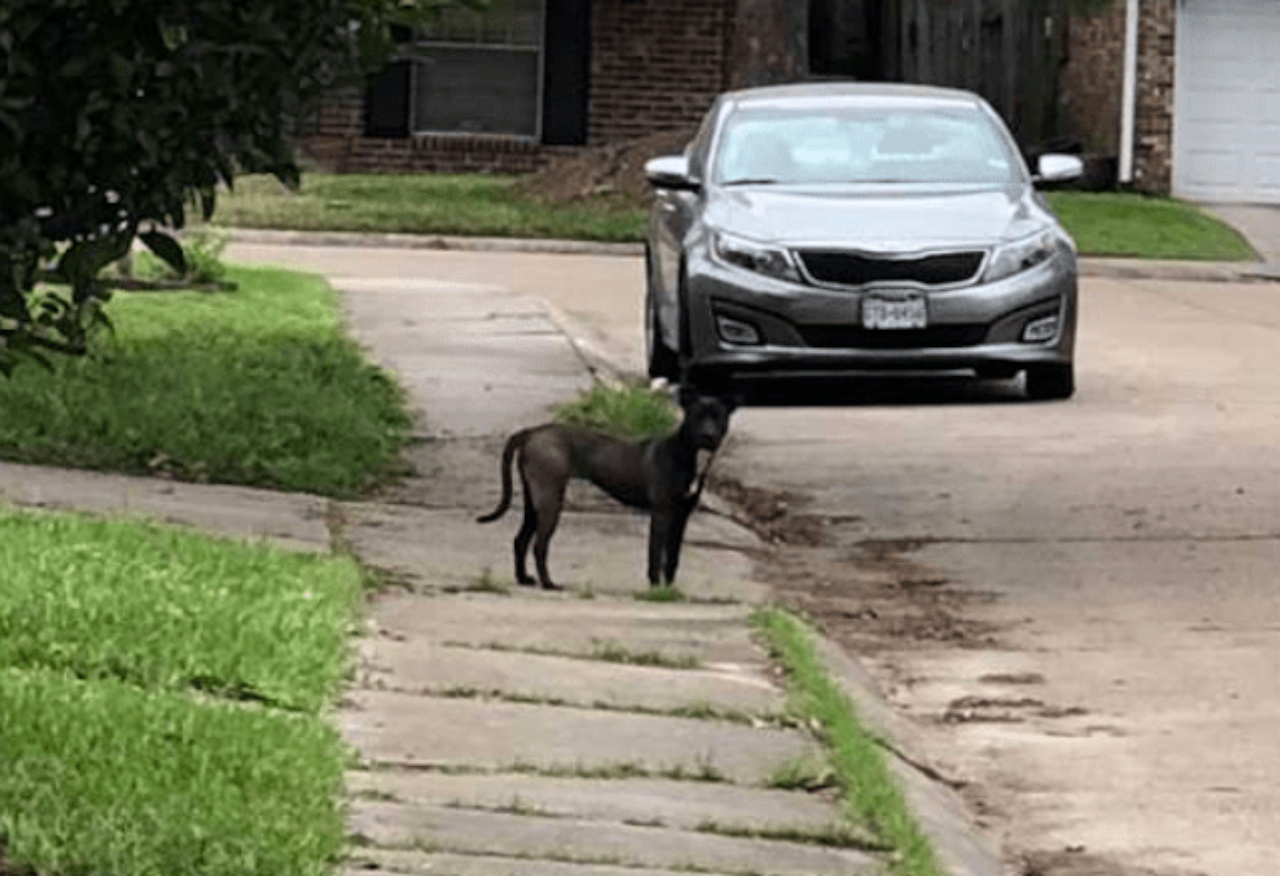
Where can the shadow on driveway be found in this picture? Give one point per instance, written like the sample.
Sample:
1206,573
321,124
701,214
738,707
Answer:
876,390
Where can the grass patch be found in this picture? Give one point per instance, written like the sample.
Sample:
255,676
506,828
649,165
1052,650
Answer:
616,652
166,609
836,835
485,582
871,795
517,806
127,654
256,387
1103,224
626,411
101,777
667,593
606,651
1138,226
698,711
476,204
702,771
803,773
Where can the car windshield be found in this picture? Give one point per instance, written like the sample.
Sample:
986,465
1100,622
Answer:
862,145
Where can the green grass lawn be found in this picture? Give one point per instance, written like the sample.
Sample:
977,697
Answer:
127,652
1108,224
258,386
474,205
165,609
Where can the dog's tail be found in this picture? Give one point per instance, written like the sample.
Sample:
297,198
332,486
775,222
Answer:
514,443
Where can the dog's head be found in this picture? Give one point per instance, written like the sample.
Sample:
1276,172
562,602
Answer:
706,419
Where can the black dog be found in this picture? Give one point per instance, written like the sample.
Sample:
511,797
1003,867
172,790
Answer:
656,476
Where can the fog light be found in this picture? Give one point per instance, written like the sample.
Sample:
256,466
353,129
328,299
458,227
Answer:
1040,330
736,332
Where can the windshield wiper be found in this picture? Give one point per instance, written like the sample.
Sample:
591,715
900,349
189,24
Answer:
748,181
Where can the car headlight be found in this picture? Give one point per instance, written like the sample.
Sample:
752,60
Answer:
1021,255
768,260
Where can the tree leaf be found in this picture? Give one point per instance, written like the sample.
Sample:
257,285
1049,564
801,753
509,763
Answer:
167,250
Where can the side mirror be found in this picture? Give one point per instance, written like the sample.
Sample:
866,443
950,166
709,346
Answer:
670,172
1053,168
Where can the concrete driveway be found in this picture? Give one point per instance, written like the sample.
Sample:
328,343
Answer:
1075,602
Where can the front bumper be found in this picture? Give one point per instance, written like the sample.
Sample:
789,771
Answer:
808,329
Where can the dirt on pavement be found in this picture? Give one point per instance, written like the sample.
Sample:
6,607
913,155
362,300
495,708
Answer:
876,601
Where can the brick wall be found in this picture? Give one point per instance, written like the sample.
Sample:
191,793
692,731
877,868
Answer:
1092,78
655,65
341,114
427,154
1092,82
1153,137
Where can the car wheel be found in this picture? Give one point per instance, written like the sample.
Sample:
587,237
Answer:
1051,382
662,360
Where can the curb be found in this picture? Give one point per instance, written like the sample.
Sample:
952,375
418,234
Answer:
1178,271
1104,268
431,242
963,849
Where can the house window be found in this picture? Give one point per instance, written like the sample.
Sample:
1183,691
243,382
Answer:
480,71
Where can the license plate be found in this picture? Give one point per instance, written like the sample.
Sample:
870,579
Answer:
886,313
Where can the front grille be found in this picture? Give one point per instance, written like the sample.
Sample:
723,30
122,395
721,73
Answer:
854,269
841,337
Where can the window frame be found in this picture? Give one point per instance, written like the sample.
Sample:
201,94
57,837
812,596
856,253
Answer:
417,58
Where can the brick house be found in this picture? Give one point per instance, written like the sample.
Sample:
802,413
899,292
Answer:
1185,93
1203,115
504,89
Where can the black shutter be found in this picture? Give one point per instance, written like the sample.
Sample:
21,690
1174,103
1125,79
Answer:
386,101
567,72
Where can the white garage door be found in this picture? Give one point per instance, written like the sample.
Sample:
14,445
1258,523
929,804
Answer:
1226,130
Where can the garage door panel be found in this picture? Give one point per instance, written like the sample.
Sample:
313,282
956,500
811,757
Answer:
1267,173
1218,168
1224,108
1227,100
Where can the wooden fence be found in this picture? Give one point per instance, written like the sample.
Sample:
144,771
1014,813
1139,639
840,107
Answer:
1009,51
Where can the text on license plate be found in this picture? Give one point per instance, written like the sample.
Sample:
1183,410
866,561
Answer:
885,313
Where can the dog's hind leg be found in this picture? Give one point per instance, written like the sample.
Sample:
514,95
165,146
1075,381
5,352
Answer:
547,505
527,528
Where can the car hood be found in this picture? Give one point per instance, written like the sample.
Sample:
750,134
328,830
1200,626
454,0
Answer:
876,217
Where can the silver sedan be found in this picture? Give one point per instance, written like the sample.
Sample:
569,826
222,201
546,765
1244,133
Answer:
851,228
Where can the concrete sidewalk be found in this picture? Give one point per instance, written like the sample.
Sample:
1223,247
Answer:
577,733
499,730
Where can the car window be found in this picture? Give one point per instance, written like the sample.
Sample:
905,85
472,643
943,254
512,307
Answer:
846,145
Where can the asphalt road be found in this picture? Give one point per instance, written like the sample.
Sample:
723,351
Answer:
1076,602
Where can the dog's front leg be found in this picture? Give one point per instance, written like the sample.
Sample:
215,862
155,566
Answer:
659,527
674,540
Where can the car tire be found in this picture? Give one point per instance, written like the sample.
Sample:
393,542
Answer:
661,360
1051,382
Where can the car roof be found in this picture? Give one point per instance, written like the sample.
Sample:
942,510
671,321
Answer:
842,93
